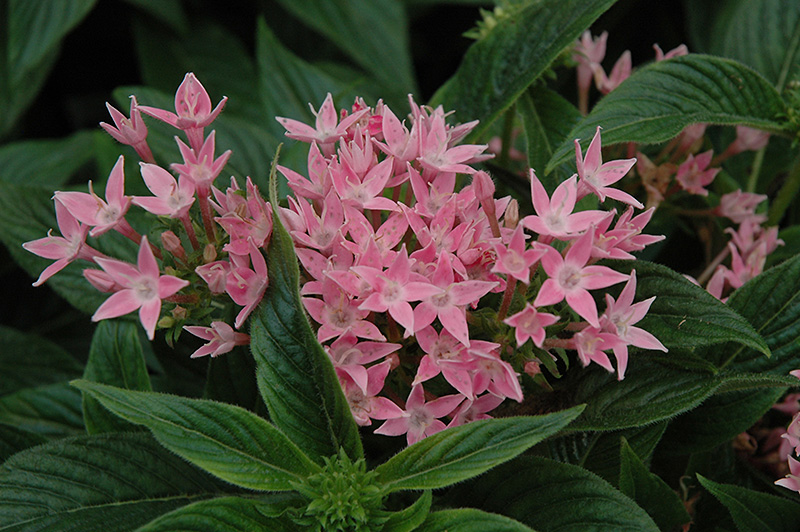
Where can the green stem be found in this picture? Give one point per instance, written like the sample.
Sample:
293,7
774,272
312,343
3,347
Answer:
752,181
785,195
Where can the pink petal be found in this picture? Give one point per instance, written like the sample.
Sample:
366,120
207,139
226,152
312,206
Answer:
149,314
119,304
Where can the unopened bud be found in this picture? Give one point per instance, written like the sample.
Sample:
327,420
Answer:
172,244
100,280
483,186
532,368
180,313
166,322
209,253
511,218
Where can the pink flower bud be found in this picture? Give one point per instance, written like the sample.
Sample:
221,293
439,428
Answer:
172,243
100,280
532,368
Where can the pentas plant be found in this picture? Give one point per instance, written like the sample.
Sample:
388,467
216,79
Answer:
396,259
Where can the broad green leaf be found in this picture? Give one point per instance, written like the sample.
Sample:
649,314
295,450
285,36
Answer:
754,511
684,315
228,514
169,12
225,440
470,520
14,439
27,360
112,482
771,303
27,213
409,518
295,376
372,32
35,29
658,101
232,379
115,358
650,492
51,411
599,452
718,420
45,162
547,118
766,38
552,496
517,50
459,453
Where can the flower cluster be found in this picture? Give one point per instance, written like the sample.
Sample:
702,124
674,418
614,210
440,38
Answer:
425,289
402,266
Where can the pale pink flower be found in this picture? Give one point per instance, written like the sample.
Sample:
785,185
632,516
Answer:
199,164
363,402
221,336
102,215
514,260
554,216
129,131
421,418
793,433
193,108
172,198
215,274
694,175
795,373
246,286
691,138
590,344
71,245
589,53
338,313
470,411
619,318
790,404
529,323
444,354
318,182
596,176
327,128
748,139
792,480
738,206
493,373
619,73
101,281
142,287
571,279
675,52
436,152
351,356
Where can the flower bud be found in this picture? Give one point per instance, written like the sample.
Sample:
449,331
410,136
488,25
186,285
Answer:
172,244
511,218
209,253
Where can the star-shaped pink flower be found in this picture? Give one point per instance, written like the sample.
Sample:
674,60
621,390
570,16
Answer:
596,176
530,323
221,336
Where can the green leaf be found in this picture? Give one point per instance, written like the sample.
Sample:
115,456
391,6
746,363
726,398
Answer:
225,440
684,315
499,67
718,420
170,12
295,376
46,162
373,32
228,514
52,410
232,379
771,303
27,360
112,482
459,453
547,118
551,496
14,439
470,520
753,511
410,518
658,101
766,38
115,358
650,492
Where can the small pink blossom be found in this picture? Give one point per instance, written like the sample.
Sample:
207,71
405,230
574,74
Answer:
675,52
792,480
738,206
199,165
421,418
619,73
694,175
514,260
596,176
327,128
129,131
590,344
172,198
589,53
246,286
221,336
364,402
529,323
143,288
470,411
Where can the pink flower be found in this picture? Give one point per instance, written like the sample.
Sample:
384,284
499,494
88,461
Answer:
738,206
193,108
66,248
364,403
421,418
514,260
529,323
470,411
327,128
554,216
222,339
444,354
172,198
199,165
93,211
675,52
129,131
619,318
590,344
589,53
436,153
571,279
792,480
142,287
246,286
595,176
694,175
619,73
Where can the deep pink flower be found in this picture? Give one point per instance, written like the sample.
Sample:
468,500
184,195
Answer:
143,288
421,418
364,404
222,339
246,286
